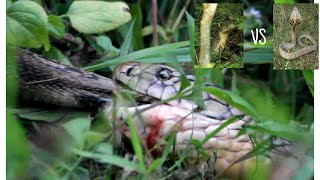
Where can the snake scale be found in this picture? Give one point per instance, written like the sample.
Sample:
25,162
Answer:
50,82
295,19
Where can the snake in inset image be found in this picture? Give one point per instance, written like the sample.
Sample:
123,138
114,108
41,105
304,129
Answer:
295,19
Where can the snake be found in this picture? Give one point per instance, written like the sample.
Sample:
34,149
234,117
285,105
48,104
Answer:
295,19
64,85
164,82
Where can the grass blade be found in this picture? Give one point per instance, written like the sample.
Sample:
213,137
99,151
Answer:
126,45
159,50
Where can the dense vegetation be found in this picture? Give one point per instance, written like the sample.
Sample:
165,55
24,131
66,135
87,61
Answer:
55,143
227,15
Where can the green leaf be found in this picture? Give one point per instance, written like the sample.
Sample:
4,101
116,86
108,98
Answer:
97,16
110,159
159,162
27,25
126,45
284,1
153,51
42,115
134,136
258,55
57,55
213,133
94,137
191,29
106,44
137,40
56,27
160,30
308,76
286,131
104,148
8,4
17,149
78,129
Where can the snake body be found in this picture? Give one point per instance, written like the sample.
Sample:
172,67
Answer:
296,19
53,83
163,82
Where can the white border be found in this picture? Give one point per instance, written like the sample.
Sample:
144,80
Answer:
3,102
3,90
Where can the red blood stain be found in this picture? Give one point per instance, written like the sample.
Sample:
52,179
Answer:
153,137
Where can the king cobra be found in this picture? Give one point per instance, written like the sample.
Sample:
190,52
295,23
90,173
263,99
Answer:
295,19
50,82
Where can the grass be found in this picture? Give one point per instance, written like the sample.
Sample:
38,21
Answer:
281,34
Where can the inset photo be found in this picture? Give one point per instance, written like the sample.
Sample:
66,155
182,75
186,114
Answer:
219,35
295,36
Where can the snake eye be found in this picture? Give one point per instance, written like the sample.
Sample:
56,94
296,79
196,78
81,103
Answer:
129,70
164,74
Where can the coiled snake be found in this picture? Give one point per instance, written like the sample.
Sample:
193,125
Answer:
295,19
50,82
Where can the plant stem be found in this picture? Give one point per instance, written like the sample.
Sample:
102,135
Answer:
155,22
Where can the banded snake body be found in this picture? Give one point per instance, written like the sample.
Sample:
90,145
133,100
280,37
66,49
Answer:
58,84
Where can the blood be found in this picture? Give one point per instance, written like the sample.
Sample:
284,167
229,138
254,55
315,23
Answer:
153,137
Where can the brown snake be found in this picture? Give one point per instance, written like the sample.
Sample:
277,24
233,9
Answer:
295,19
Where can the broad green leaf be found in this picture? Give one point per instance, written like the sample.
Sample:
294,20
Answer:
104,148
94,137
110,159
78,129
97,16
27,25
56,27
57,55
106,44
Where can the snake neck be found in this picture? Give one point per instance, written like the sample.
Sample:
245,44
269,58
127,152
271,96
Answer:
293,34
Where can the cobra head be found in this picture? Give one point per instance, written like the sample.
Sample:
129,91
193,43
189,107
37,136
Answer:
295,17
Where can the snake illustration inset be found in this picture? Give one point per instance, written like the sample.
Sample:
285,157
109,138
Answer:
295,19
